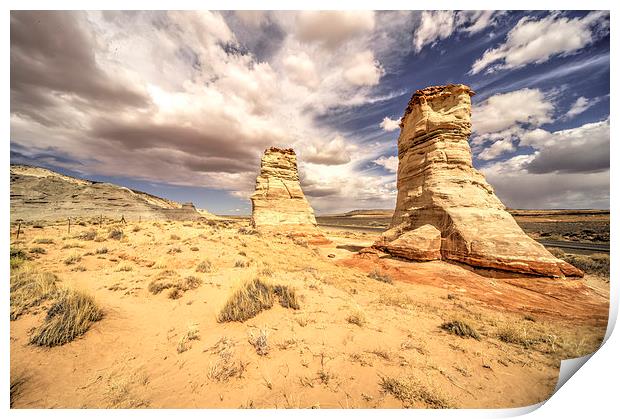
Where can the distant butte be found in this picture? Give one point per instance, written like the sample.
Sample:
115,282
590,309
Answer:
445,208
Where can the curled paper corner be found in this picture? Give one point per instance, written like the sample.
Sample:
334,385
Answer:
568,368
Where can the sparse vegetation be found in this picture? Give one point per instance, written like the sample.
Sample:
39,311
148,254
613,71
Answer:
124,267
29,288
70,316
259,341
204,267
515,334
594,264
18,257
461,328
177,286
87,235
44,240
101,251
357,317
17,385
174,250
410,391
174,237
115,233
253,297
71,259
381,277
242,264
38,250
185,343
226,366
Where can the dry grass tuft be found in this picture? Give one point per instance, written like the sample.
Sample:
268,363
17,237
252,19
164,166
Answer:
461,328
71,259
357,317
381,277
512,333
253,297
185,343
115,233
101,251
17,385
174,237
38,250
44,240
410,391
70,316
29,288
204,267
259,341
87,235
124,267
226,366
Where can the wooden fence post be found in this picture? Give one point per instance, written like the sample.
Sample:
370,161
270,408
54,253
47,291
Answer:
69,230
19,228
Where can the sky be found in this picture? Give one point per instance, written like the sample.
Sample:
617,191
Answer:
182,104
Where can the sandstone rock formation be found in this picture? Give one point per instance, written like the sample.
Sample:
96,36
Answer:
439,191
278,202
39,194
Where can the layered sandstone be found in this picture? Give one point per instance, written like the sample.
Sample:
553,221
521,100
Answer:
279,202
439,190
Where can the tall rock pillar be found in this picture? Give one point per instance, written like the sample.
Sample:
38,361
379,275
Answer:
445,208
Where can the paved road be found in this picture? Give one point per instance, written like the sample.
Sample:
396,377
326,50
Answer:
586,247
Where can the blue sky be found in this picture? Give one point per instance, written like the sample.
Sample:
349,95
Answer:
182,104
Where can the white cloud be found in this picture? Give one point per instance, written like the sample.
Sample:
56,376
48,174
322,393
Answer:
390,163
504,110
363,69
388,124
301,69
334,152
434,26
497,149
441,24
535,41
580,105
333,28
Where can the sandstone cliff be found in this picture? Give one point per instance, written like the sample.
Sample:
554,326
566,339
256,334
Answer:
445,208
39,194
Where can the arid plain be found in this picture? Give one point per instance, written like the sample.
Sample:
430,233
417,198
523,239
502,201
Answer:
356,332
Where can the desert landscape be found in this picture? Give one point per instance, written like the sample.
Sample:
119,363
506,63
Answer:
161,305
307,209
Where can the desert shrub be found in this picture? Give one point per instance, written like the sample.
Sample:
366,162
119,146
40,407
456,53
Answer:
194,249
185,343
190,283
242,264
408,390
136,228
259,341
101,251
357,317
375,274
174,237
70,316
115,233
29,288
461,328
253,297
124,267
203,267
71,259
594,264
159,284
247,231
175,293
17,384
87,235
513,333
174,250
43,240
18,257
72,245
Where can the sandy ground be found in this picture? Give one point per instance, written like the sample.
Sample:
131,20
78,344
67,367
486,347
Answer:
316,356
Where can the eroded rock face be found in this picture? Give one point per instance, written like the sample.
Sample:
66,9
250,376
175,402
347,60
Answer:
438,186
278,202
